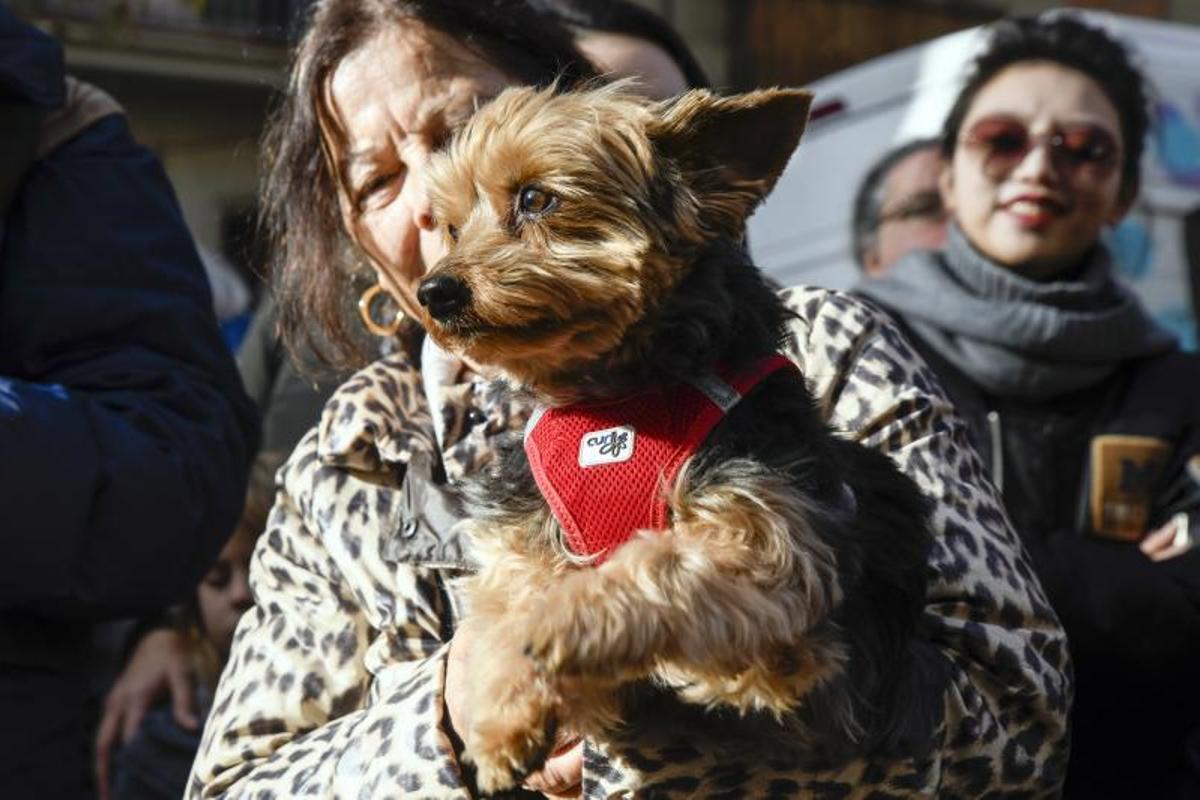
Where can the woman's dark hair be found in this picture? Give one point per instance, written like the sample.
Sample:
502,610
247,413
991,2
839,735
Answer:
312,260
1066,40
630,19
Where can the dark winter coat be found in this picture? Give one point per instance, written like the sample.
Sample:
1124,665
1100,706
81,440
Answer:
1133,625
125,435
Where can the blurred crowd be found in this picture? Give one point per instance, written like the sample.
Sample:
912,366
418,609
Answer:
152,496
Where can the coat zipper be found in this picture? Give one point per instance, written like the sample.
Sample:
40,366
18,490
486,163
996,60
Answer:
993,418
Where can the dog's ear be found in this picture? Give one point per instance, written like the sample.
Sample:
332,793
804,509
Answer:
730,150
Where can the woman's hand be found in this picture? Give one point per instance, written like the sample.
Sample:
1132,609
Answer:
159,664
562,774
1172,539
455,693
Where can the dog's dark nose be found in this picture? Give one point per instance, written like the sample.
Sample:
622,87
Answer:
444,296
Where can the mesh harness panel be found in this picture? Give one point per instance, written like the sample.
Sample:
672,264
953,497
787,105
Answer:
604,467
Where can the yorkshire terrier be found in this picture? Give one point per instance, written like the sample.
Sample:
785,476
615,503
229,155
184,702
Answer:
678,515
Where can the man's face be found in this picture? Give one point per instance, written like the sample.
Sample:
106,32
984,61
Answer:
911,214
624,56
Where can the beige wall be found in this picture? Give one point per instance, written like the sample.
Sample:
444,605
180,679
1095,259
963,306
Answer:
206,134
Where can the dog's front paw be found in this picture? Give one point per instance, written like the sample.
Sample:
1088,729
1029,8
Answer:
567,642
558,642
513,737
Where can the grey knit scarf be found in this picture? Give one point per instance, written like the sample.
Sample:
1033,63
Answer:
1013,336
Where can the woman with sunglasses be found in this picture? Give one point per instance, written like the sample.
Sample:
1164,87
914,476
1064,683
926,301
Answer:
1076,398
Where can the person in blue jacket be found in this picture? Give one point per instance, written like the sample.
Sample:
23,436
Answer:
125,435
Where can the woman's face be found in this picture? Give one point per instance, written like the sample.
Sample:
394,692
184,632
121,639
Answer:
1037,210
394,101
224,593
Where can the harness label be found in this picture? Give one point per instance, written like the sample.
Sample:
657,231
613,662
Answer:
722,395
608,446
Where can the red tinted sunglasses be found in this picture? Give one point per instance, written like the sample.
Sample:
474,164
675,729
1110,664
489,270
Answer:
1083,150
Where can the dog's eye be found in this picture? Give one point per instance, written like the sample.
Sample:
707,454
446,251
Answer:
535,201
452,230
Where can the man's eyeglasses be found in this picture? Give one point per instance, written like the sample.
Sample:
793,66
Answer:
919,205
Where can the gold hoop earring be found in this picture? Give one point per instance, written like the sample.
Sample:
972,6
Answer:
366,305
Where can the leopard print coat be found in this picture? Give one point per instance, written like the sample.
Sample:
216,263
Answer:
334,685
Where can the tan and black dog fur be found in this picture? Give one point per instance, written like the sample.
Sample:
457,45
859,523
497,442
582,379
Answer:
595,248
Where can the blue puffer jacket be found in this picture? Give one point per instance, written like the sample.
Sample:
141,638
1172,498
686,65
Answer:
125,434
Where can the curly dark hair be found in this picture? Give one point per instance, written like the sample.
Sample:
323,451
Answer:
312,261
1067,40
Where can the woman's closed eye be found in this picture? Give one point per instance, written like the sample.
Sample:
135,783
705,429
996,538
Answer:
375,185
218,576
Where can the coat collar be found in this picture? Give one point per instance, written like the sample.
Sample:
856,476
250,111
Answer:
381,417
378,417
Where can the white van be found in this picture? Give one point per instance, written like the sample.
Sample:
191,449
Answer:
802,232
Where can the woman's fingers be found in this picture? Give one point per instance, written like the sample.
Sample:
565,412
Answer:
106,737
159,662
455,692
1158,540
562,774
1171,540
179,683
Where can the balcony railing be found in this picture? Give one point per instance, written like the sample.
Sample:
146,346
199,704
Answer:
262,20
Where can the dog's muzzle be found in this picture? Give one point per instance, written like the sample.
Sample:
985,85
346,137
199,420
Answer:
444,296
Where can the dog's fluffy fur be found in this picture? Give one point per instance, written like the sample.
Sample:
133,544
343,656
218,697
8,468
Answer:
595,248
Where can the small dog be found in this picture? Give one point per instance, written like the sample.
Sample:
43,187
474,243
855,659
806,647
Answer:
596,261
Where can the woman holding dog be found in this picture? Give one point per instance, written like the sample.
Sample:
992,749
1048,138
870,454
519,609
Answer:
345,679
1080,402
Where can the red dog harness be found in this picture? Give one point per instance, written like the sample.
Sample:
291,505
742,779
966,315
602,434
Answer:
604,467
